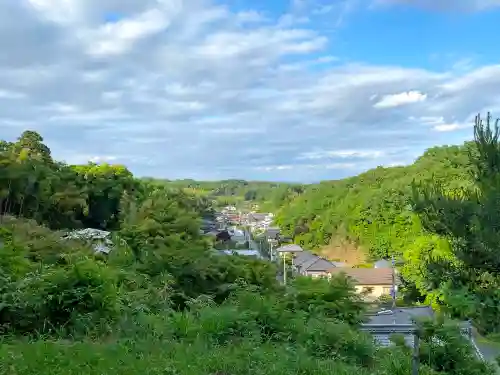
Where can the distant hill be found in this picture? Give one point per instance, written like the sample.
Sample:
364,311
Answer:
371,211
268,195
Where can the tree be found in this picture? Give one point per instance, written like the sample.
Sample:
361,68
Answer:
467,276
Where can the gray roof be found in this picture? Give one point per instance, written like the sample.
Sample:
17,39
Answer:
384,323
402,315
292,248
319,264
303,257
306,261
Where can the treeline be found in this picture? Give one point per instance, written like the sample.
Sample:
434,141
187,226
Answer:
438,217
35,186
268,195
162,301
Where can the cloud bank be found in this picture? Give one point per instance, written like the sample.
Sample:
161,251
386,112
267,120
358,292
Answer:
197,89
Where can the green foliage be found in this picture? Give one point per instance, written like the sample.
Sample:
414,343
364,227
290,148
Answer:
268,195
162,302
372,210
467,274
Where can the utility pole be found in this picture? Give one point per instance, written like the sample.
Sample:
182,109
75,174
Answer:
393,283
284,268
416,353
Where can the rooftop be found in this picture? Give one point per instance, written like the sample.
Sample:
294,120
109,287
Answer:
401,315
291,248
366,276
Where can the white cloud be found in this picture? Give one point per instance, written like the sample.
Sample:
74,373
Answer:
191,88
8,94
119,37
396,100
446,127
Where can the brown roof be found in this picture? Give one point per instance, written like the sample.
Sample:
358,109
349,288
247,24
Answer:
367,276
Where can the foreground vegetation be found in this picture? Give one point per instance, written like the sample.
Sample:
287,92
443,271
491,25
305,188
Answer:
162,302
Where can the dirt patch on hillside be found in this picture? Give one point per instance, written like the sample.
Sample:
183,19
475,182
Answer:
342,249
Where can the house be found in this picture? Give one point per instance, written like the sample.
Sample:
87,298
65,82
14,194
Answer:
309,264
401,321
374,282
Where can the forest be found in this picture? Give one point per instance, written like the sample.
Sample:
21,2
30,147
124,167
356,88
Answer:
162,301
269,196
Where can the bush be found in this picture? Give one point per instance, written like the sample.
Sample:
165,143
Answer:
55,299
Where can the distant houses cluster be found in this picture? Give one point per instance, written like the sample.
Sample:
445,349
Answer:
372,282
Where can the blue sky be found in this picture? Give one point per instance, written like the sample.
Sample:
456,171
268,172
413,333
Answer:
300,90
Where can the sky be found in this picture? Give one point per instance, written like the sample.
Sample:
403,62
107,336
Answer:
282,90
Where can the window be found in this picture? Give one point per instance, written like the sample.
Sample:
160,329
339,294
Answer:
387,290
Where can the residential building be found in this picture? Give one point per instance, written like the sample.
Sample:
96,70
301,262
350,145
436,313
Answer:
374,282
402,321
309,264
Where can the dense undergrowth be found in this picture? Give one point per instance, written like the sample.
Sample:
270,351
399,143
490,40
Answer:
69,311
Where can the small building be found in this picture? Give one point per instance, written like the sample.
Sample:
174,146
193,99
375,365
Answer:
402,320
309,264
374,282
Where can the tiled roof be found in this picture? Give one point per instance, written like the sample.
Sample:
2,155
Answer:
302,257
367,276
319,264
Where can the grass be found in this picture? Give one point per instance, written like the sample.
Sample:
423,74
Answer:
153,357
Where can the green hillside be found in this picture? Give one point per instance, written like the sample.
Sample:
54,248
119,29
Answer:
373,209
